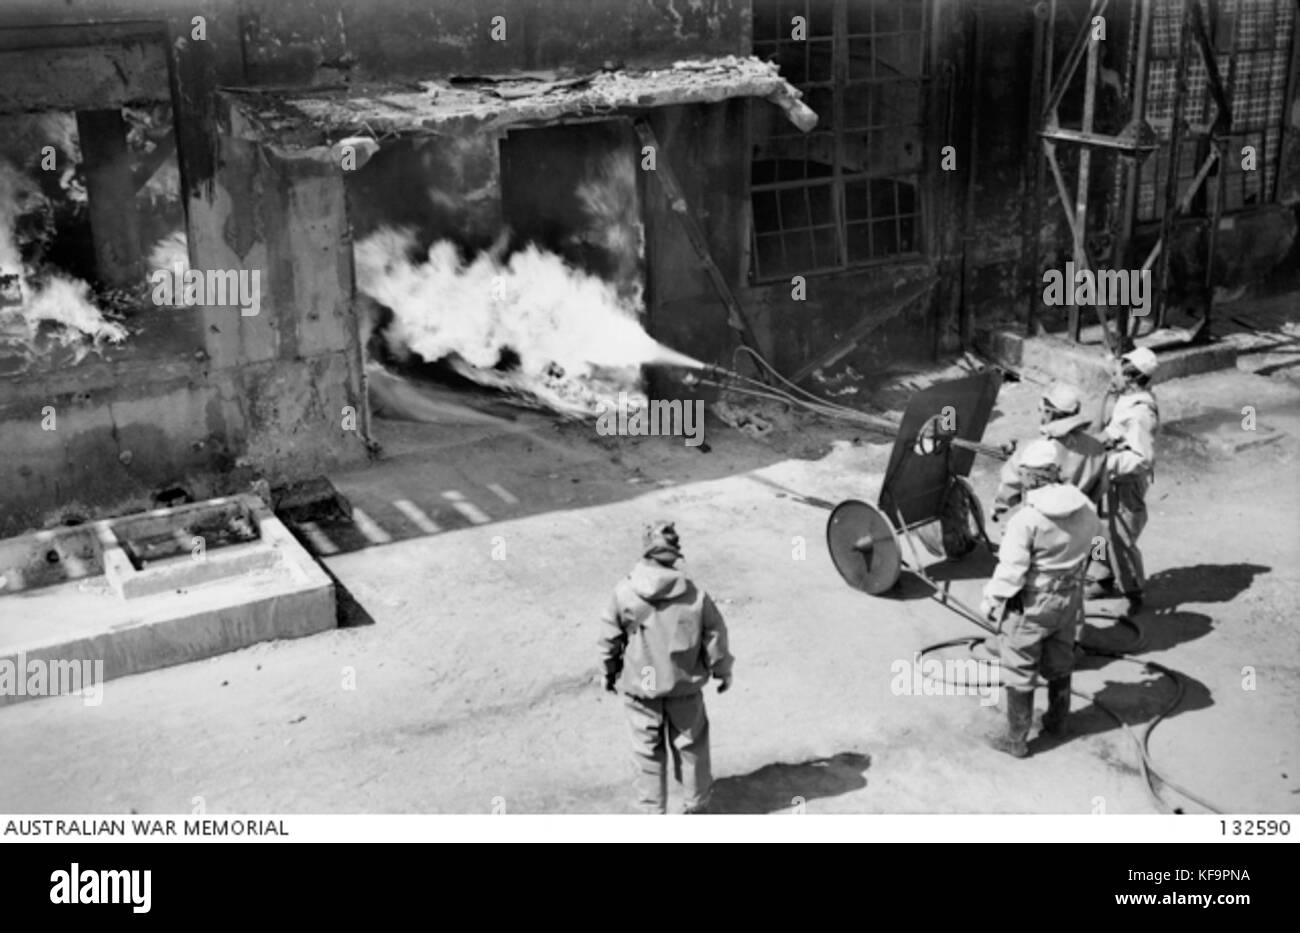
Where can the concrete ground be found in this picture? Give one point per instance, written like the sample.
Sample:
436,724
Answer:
483,550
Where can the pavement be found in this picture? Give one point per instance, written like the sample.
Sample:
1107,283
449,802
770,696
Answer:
481,551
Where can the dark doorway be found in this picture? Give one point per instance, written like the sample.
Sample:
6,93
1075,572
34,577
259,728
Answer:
574,190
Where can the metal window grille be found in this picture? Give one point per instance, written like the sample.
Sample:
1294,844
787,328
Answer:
1257,36
846,194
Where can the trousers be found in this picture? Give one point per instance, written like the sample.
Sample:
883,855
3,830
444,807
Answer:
682,724
1126,516
1040,639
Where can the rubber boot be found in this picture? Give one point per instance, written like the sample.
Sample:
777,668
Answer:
1058,706
1020,712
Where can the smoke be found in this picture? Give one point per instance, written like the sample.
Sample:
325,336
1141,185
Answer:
530,323
609,198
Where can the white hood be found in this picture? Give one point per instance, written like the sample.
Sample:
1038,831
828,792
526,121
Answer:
1057,500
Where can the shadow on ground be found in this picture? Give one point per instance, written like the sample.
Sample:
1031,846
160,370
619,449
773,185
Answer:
1202,583
1143,694
784,786
977,565
1159,630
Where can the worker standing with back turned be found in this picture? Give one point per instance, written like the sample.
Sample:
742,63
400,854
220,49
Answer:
662,637
1035,596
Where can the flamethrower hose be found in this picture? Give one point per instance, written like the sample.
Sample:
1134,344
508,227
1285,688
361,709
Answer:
1150,774
825,410
771,371
801,398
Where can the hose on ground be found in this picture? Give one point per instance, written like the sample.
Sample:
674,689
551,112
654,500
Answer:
1141,742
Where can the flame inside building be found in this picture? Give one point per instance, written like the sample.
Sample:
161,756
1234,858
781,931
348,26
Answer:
52,294
533,324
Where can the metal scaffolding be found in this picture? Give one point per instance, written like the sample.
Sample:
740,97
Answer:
1134,143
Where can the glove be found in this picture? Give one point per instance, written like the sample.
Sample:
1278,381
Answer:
724,684
992,609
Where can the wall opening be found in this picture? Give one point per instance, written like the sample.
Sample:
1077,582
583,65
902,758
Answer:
536,298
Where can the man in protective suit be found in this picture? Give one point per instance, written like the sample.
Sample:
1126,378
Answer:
1132,420
1082,458
1035,595
662,637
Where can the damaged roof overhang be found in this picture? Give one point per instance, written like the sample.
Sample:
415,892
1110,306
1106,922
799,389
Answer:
307,118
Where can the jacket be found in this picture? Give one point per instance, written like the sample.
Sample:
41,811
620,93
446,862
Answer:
1046,545
1082,458
663,633
1133,424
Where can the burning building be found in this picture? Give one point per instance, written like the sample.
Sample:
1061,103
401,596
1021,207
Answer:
542,197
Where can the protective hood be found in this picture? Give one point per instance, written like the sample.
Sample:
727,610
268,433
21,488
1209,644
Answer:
653,582
1063,426
1057,500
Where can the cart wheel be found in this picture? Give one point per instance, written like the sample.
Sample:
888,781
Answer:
863,547
962,519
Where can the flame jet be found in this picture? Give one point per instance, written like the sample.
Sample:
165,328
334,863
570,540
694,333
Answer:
576,342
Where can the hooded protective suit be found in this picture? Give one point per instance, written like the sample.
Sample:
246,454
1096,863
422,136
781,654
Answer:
1133,424
664,632
1037,587
663,637
1081,457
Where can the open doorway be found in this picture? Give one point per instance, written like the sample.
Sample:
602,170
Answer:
502,272
574,190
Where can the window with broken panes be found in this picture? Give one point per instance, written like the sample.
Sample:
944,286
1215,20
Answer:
1252,44
845,194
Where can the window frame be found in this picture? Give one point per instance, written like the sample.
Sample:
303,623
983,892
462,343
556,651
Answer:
840,85
1229,55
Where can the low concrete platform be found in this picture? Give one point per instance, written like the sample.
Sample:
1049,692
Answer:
86,594
1087,365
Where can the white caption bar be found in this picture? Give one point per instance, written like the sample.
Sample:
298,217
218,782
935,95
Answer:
785,827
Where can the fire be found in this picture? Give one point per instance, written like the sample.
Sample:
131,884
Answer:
29,300
170,251
576,342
